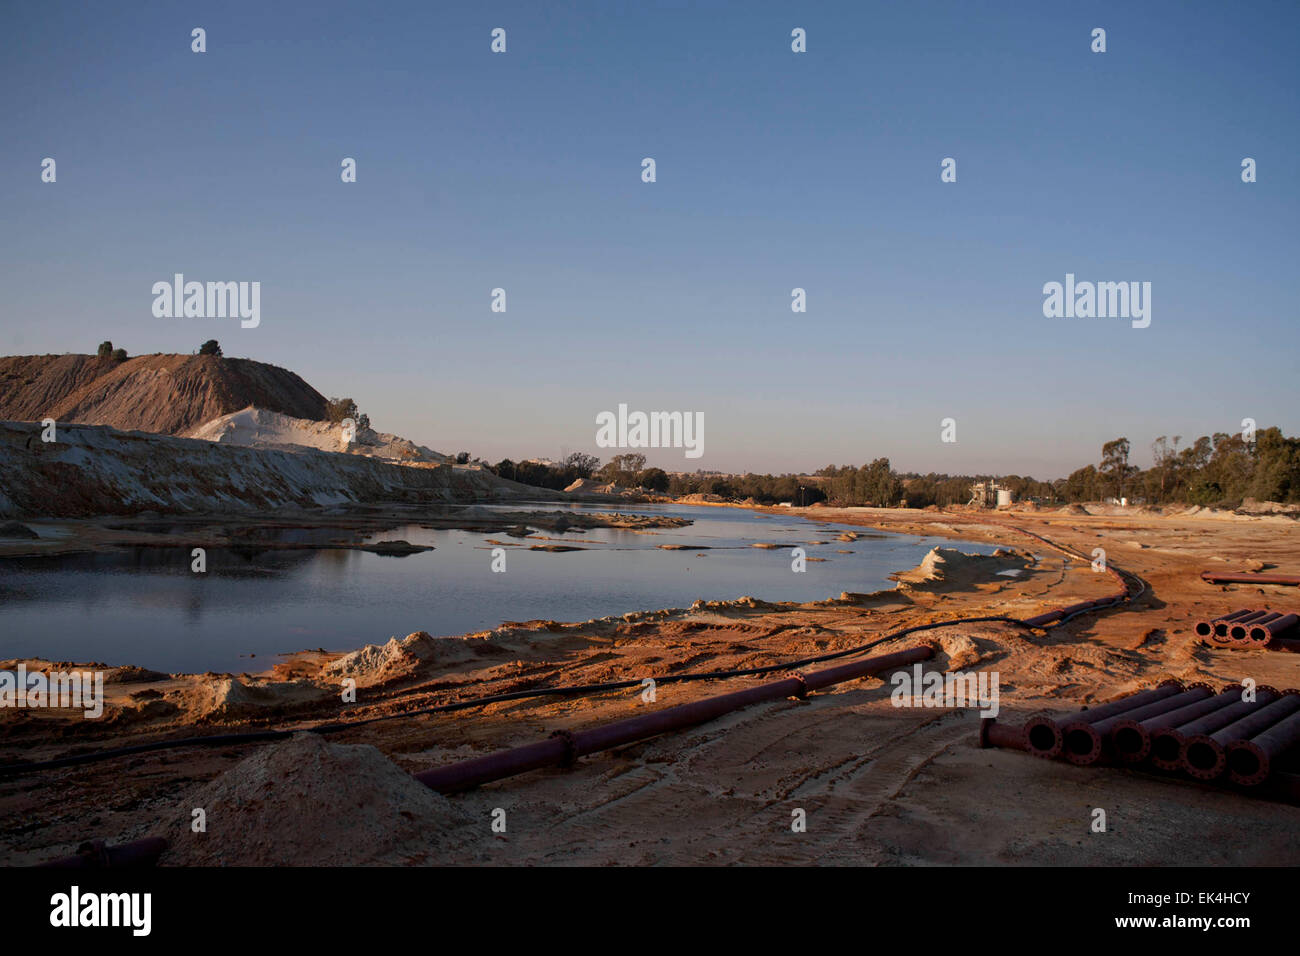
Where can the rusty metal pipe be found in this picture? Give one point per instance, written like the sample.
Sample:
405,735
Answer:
1048,617
1167,743
1005,736
1250,762
1222,629
1262,633
1131,739
96,854
1221,626
1239,630
563,747
1205,755
1243,636
1086,742
1205,626
1237,577
1043,731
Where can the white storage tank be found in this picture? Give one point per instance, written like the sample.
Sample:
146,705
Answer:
1004,497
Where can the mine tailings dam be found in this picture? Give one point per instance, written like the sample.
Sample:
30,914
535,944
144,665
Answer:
145,606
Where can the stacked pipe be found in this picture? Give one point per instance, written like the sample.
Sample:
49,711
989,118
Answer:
1232,736
1045,735
1248,628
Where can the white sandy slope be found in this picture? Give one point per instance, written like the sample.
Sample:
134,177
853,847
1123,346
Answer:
95,470
255,427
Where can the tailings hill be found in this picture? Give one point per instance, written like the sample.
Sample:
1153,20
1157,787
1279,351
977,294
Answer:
169,394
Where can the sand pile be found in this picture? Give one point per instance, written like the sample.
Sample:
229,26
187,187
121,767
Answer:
93,470
307,802
956,569
263,428
589,486
962,652
170,394
229,698
376,663
1073,510
1252,507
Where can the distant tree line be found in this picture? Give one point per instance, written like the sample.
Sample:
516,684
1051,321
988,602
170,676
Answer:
556,477
1219,470
875,484
628,471
765,489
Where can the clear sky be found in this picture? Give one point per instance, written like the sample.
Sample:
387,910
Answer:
775,170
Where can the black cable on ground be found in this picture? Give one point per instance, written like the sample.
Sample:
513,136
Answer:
580,690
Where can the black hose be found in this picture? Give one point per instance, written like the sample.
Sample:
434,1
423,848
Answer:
580,690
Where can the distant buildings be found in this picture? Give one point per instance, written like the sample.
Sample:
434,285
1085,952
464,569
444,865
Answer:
989,494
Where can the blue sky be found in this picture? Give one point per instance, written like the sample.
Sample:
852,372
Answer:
775,170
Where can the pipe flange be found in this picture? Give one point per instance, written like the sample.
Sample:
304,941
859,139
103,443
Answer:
802,692
1262,768
1077,756
1168,681
1200,683
1210,769
1042,735
570,747
1173,763
1143,741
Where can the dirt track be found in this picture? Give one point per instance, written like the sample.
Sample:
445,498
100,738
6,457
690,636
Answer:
879,784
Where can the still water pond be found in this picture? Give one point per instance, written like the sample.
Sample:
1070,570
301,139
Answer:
144,606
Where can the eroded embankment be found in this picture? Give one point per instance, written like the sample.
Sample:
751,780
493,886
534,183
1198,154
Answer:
96,470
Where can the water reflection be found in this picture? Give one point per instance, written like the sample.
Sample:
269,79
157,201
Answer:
145,606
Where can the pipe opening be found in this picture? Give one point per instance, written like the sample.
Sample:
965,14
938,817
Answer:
1165,748
1128,740
1204,628
1079,742
1042,737
1243,762
1237,632
1202,756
